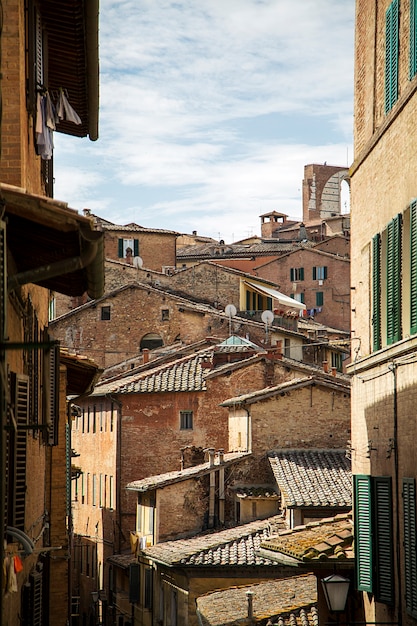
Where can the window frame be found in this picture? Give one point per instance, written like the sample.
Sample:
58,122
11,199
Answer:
319,272
296,274
391,55
186,418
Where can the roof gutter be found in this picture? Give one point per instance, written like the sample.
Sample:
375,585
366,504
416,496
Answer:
92,21
86,260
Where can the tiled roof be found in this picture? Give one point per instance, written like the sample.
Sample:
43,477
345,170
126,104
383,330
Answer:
169,478
289,601
325,540
185,374
313,478
236,547
240,250
295,383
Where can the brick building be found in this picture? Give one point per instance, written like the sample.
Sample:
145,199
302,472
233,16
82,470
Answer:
318,278
45,247
119,325
384,309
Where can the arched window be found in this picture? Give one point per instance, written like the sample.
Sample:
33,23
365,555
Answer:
151,341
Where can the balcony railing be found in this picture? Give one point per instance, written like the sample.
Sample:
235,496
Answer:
283,321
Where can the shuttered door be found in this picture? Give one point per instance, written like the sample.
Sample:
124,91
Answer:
376,292
410,545
21,409
363,532
413,268
36,599
391,55
384,591
51,399
394,280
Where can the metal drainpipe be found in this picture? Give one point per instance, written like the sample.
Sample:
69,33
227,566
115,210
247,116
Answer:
394,369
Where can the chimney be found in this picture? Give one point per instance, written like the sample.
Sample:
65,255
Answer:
145,353
211,457
249,596
86,212
325,366
205,362
334,371
221,456
195,233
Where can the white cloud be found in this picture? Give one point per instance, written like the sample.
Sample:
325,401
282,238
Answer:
184,85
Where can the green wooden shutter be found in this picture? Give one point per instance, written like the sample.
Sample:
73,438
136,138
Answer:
376,292
391,55
120,248
410,545
20,384
134,583
413,267
413,38
136,247
314,273
363,532
394,280
292,275
301,273
384,557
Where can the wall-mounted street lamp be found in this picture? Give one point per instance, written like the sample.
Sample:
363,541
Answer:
336,589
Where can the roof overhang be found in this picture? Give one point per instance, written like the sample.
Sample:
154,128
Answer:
73,60
279,297
82,373
51,245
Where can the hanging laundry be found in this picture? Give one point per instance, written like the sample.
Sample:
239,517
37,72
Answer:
65,110
18,565
44,137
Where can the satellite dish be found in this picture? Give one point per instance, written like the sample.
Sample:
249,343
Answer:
138,262
267,317
230,310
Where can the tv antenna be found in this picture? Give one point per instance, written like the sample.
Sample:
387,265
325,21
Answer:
231,311
267,317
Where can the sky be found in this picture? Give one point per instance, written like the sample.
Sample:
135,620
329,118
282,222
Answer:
209,111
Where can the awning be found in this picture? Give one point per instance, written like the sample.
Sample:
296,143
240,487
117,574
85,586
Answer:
276,295
51,245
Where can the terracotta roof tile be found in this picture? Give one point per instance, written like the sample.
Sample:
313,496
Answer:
289,601
235,547
330,539
314,478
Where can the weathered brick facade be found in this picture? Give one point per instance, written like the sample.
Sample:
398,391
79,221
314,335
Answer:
384,188
326,293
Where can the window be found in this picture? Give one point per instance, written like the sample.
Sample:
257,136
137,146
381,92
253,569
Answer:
94,502
337,361
147,601
320,272
124,244
394,255
298,297
394,280
391,55
186,420
105,313
319,298
374,536
410,554
296,274
413,38
164,315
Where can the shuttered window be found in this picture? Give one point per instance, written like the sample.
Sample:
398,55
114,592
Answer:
410,545
376,292
373,536
391,55
363,532
296,274
134,583
393,269
51,394
384,588
413,267
123,244
413,38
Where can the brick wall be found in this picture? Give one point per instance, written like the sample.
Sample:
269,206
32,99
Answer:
335,310
156,249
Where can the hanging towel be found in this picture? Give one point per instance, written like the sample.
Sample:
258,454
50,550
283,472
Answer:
65,110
